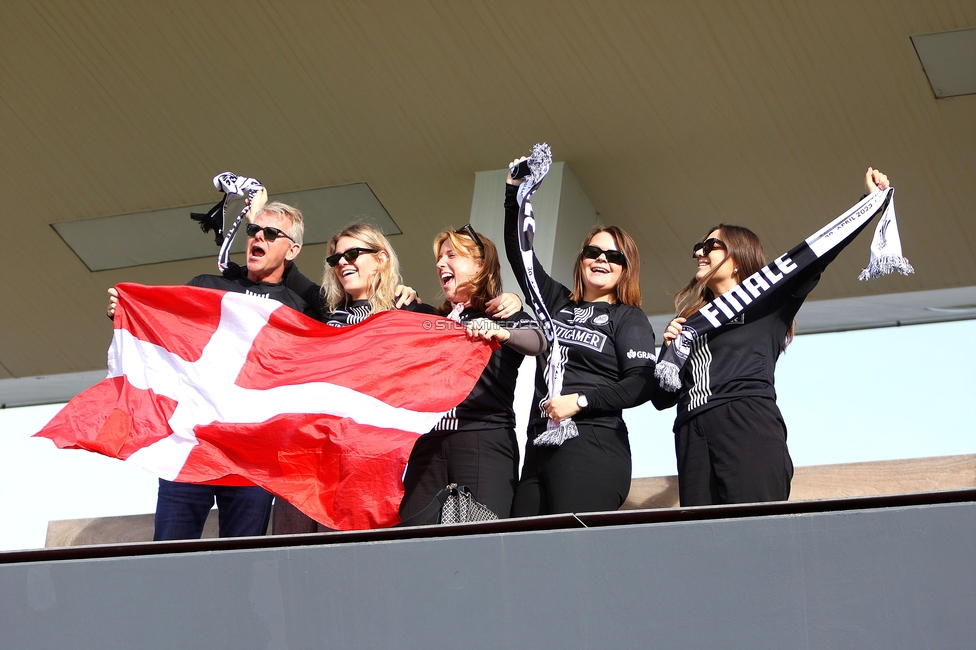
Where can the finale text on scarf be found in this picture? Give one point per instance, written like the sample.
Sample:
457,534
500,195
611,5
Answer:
732,302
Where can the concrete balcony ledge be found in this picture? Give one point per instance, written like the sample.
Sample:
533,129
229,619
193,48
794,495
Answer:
887,571
813,483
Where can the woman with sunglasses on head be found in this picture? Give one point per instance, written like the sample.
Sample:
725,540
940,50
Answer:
730,437
475,444
607,355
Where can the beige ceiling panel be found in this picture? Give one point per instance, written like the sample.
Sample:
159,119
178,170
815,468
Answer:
156,236
949,60
673,116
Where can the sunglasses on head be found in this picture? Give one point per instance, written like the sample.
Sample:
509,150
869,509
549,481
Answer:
707,246
270,232
594,252
468,230
350,255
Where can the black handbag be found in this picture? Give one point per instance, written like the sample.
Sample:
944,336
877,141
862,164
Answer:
460,506
453,505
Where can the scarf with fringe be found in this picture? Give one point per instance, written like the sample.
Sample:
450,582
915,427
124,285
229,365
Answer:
538,165
232,185
886,257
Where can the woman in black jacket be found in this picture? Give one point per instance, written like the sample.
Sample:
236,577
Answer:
475,443
730,437
607,356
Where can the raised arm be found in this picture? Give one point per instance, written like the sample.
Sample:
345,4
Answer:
259,200
552,292
874,180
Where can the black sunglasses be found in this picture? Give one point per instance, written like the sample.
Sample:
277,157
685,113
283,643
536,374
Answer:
270,232
469,231
350,255
614,257
707,246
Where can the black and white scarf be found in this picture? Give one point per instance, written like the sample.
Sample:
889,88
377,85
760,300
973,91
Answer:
539,163
231,185
886,256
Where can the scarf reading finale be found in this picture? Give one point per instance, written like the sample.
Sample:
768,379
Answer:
539,163
886,256
232,185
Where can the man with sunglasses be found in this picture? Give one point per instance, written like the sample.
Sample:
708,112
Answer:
274,238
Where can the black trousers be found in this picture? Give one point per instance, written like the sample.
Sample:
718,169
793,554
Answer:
734,453
589,473
486,461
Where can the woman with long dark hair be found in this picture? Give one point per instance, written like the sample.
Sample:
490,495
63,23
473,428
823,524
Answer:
730,437
475,444
607,359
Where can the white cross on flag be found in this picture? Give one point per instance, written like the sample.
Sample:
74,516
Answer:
206,386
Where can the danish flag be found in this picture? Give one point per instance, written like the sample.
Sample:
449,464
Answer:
206,386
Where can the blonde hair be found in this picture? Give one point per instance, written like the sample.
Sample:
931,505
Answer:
384,282
486,283
297,230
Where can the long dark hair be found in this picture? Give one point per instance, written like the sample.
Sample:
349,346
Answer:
746,251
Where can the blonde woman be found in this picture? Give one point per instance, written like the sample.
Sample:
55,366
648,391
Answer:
361,278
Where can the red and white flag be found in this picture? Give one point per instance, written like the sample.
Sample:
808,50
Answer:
207,386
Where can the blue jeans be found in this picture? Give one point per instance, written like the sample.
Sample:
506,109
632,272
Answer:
182,509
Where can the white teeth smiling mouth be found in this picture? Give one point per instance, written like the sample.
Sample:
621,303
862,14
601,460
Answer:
445,276
349,270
